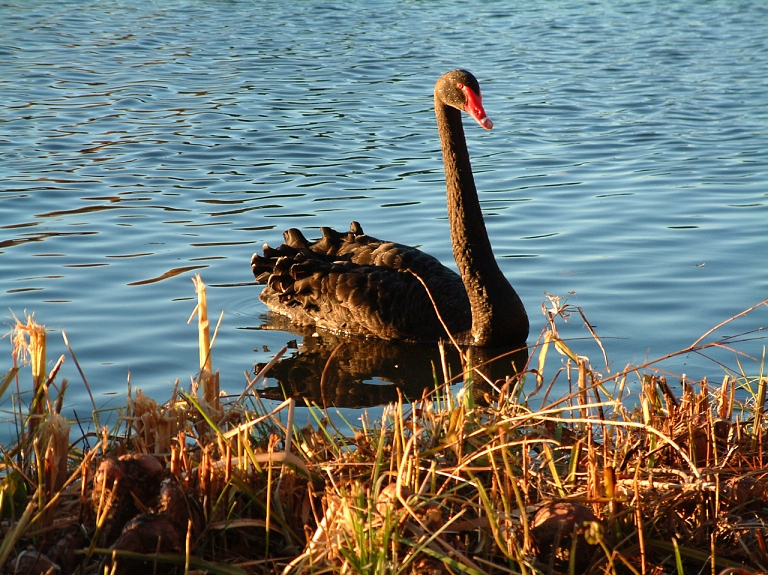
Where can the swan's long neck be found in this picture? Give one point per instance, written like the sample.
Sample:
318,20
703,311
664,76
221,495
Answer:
498,315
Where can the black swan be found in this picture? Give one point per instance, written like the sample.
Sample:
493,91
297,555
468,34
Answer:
354,283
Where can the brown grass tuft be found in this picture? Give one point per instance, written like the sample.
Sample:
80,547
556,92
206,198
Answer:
508,481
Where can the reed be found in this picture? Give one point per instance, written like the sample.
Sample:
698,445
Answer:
29,345
500,478
208,380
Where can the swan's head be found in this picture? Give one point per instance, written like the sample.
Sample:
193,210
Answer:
459,89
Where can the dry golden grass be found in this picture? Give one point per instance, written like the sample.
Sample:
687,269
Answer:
479,482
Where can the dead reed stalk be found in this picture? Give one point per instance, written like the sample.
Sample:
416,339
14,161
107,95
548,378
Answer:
29,344
208,380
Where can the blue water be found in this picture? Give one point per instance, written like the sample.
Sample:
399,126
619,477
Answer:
143,142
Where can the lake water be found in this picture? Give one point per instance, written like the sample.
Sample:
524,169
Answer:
143,142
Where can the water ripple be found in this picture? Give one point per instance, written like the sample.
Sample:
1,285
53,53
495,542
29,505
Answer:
139,139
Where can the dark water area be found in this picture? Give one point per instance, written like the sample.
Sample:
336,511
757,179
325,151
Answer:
143,142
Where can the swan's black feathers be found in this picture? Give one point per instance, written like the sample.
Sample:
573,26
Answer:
357,284
353,283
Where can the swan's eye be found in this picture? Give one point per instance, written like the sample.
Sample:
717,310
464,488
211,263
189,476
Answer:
460,86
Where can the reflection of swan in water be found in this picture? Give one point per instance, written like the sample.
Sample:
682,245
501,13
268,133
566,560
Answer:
356,284
333,370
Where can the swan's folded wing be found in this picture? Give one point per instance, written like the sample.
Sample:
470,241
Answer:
365,300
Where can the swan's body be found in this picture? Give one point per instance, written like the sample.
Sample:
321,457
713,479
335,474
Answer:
360,285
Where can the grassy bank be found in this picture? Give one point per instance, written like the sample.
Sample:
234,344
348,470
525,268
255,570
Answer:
502,477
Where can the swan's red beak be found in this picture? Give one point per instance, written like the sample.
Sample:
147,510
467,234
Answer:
474,107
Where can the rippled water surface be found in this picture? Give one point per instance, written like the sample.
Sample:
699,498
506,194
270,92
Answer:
142,142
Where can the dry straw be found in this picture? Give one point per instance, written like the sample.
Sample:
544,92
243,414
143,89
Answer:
480,482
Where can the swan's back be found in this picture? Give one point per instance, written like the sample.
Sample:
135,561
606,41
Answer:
357,284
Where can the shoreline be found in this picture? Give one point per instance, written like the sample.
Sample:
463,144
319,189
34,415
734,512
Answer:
477,481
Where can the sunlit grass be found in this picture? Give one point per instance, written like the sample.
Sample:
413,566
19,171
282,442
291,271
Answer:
501,477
